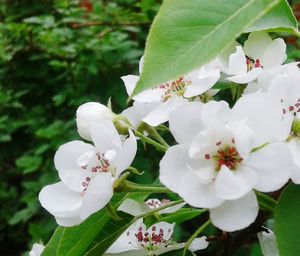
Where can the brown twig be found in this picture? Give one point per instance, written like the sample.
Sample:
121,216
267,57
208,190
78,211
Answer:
101,23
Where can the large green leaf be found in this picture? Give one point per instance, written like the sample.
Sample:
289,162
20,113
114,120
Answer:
287,225
188,33
74,241
280,19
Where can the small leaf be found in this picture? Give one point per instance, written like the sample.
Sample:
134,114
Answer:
287,225
29,164
187,34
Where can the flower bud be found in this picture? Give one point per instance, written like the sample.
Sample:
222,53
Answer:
88,113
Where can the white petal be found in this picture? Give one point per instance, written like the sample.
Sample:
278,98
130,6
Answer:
165,226
246,77
268,244
150,95
127,154
68,221
172,209
256,44
197,194
273,165
260,106
237,62
89,113
235,214
173,167
231,185
133,207
130,82
37,249
137,112
60,201
274,54
202,81
97,195
183,126
161,113
66,162
294,146
105,137
199,243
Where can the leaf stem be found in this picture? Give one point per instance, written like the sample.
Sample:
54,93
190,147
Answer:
197,232
157,145
112,212
157,136
266,202
128,186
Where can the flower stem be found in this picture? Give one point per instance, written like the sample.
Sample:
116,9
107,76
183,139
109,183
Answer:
266,202
157,145
112,212
128,186
191,239
156,135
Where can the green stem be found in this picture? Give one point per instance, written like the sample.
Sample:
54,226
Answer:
128,186
157,145
266,202
157,136
112,212
195,235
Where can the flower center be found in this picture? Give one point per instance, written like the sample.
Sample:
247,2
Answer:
226,155
294,109
251,63
156,203
92,163
152,240
176,87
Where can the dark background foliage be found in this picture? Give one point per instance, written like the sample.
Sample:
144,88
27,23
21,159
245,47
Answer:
54,56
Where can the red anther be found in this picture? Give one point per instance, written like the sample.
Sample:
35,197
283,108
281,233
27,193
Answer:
94,169
291,108
153,228
297,105
284,111
248,61
233,141
207,156
88,179
84,184
257,63
218,143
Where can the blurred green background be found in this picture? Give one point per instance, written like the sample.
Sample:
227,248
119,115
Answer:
54,56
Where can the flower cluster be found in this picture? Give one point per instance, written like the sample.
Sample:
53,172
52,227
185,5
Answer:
223,156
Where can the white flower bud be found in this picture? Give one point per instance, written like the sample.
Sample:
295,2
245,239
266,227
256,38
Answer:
36,250
88,113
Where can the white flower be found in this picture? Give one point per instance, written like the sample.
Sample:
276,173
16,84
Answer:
286,90
89,113
87,174
268,244
156,240
136,208
260,53
215,167
169,96
37,249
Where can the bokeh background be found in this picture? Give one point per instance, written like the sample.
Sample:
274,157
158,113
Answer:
54,56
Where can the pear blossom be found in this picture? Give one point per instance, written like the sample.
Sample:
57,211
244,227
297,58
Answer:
37,249
136,208
260,53
222,156
167,97
267,242
137,240
89,113
87,174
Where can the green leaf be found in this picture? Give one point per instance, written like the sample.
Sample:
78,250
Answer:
279,19
187,34
109,235
75,240
29,164
52,245
287,225
182,215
